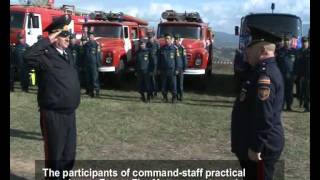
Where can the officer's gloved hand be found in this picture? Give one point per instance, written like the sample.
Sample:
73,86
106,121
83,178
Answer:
177,72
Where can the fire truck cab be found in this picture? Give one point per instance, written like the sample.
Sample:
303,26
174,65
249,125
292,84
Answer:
30,21
118,35
196,37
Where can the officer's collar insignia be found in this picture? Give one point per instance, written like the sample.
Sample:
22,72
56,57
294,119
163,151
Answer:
263,93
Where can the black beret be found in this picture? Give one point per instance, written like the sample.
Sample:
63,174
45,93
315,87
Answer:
84,38
19,36
305,39
168,34
72,36
150,34
142,41
90,32
177,36
259,35
60,23
286,38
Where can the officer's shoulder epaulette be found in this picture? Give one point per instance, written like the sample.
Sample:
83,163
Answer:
264,80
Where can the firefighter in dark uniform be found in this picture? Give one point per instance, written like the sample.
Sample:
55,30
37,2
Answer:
143,68
286,58
93,57
58,93
22,69
83,68
181,66
74,48
13,66
303,70
154,47
257,137
168,65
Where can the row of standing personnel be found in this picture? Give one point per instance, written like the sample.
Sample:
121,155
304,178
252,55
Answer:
161,67
294,65
157,69
87,59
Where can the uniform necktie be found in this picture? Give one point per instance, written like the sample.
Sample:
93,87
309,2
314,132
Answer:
65,55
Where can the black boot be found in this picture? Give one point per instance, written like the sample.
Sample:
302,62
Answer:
97,93
143,98
91,94
174,99
165,98
149,97
181,97
289,108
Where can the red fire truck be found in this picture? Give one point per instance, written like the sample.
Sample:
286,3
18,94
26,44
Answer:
118,35
197,38
30,21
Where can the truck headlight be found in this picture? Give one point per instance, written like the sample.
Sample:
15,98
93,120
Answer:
109,58
198,61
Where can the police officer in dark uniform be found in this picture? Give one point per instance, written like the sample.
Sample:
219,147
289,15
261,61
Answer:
286,58
154,47
181,66
58,94
22,69
303,70
144,67
13,66
257,137
168,65
93,58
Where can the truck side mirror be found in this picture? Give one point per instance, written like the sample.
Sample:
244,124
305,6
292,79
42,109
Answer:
236,30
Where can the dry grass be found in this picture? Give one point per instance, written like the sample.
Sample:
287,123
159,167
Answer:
119,126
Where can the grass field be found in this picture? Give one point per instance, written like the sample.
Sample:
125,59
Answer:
118,126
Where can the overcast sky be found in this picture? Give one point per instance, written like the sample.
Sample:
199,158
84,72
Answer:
222,15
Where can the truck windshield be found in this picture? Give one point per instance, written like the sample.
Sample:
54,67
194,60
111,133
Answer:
16,19
110,31
278,24
191,32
